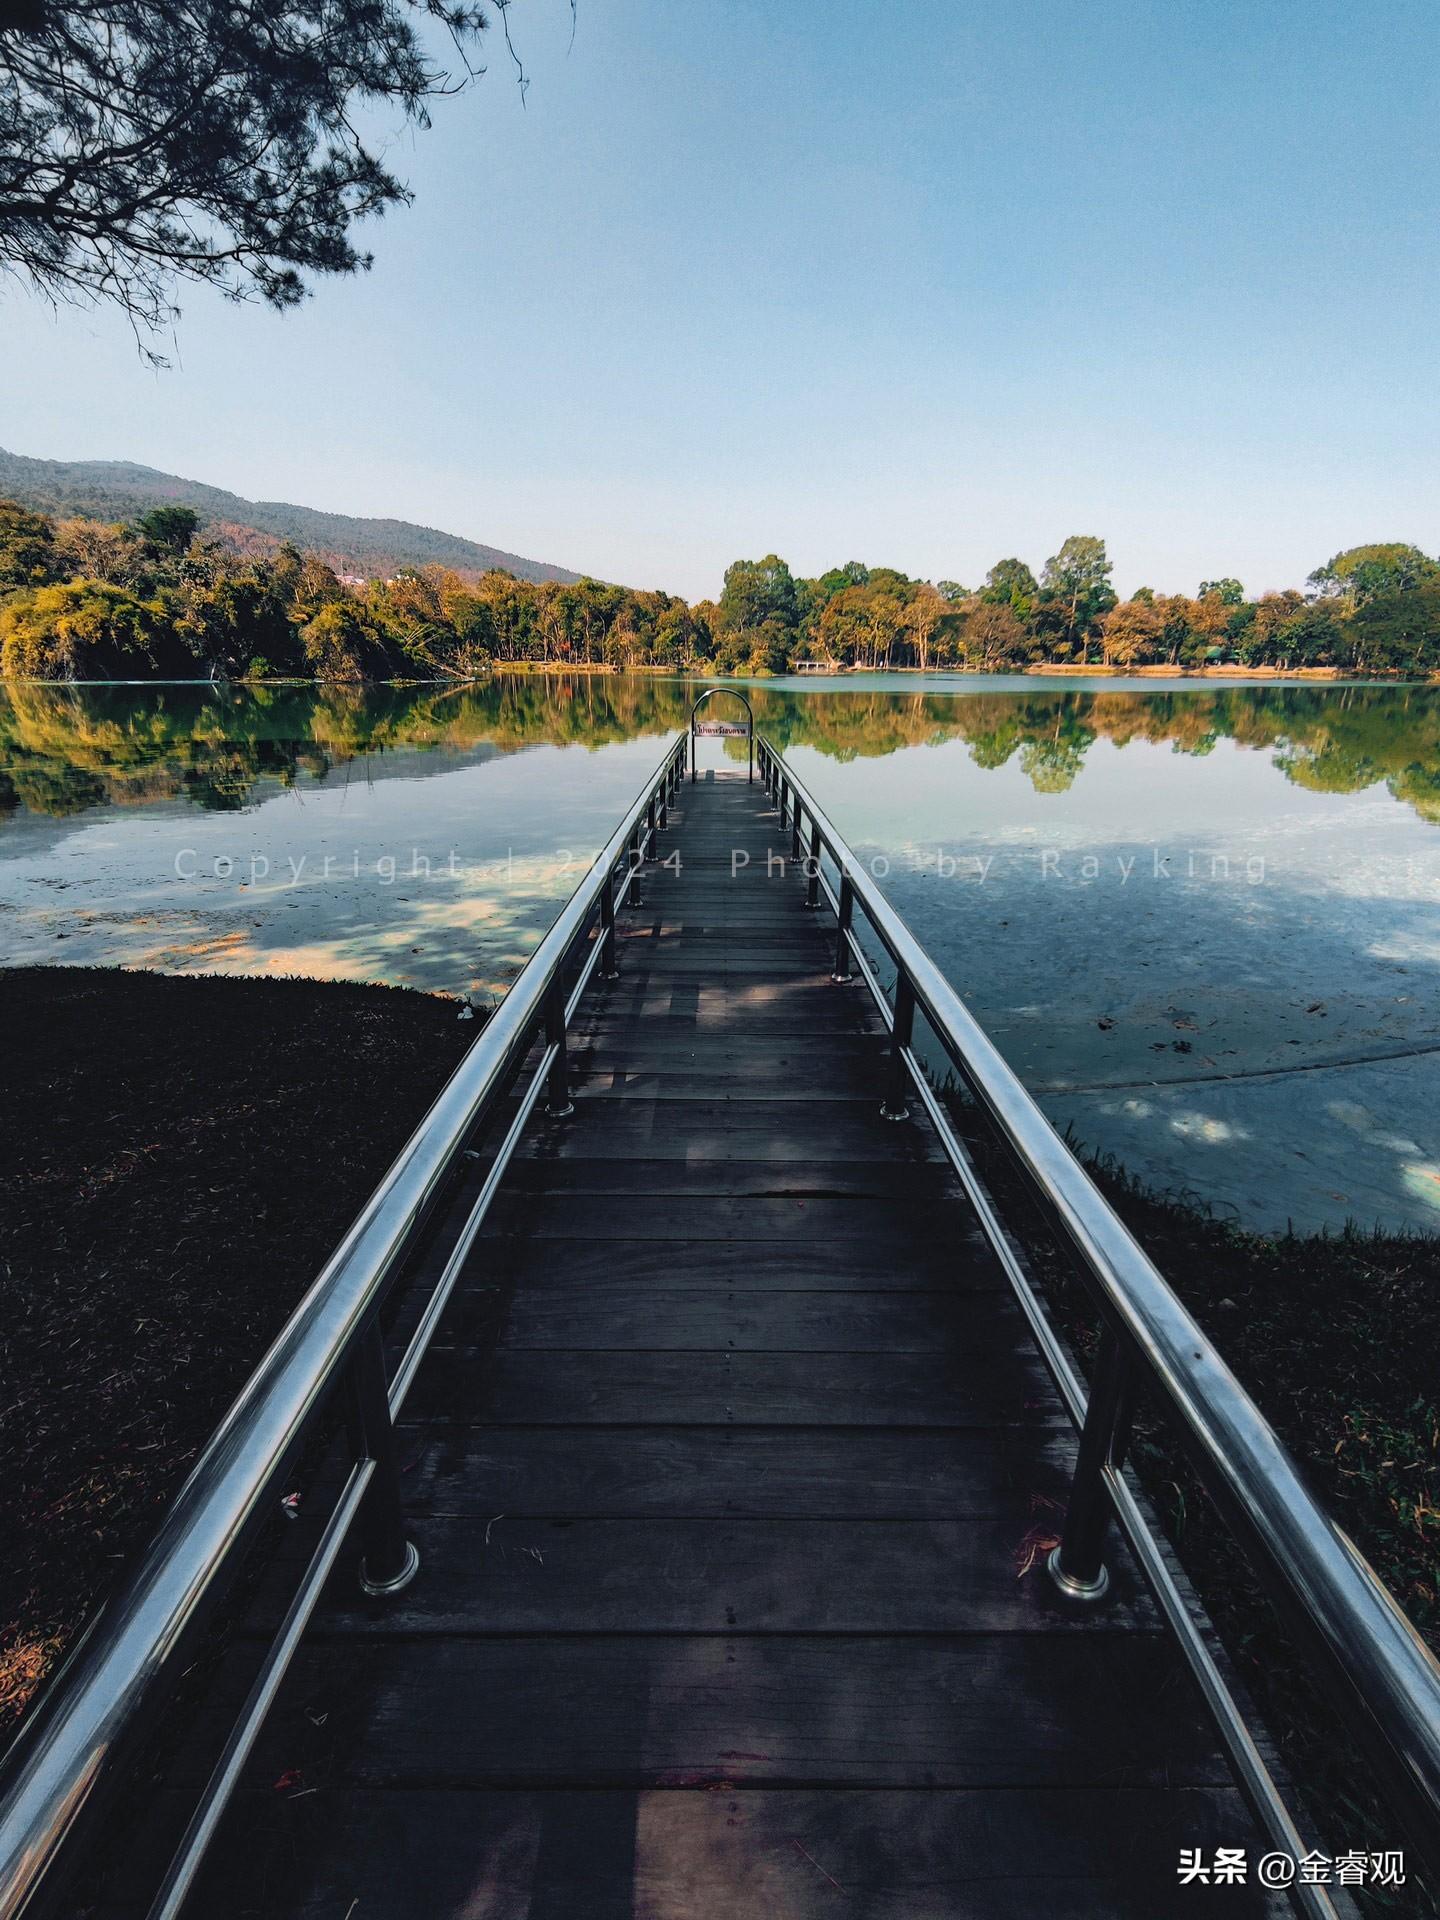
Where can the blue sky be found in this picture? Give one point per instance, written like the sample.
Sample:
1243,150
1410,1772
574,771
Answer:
923,285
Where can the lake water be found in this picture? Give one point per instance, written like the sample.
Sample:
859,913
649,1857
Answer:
1200,921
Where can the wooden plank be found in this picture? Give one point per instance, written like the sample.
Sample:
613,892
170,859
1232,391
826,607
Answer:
637,1133
845,1127
1010,1709
728,1001
517,1575
805,1053
717,1012
557,1386
896,1225
757,1064
749,1319
746,1472
721,904
749,1070
994,1854
705,1175
738,1087
965,1265
618,1023
719,925
740,967
647,1138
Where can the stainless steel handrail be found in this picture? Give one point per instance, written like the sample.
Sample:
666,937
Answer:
1382,1676
126,1661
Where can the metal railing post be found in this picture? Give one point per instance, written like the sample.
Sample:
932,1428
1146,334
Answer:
390,1559
794,825
608,970
559,1105
634,865
1077,1565
812,888
844,910
894,1107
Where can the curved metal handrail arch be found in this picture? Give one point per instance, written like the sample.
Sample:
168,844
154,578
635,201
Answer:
1384,1681
709,694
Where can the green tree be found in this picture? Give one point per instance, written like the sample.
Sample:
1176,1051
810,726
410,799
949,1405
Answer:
756,591
1228,592
1362,574
168,531
341,645
1312,637
27,547
1076,582
77,630
1260,641
854,573
216,141
1011,582
890,581
1399,632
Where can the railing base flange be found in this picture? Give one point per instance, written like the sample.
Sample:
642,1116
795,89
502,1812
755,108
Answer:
1087,1590
379,1588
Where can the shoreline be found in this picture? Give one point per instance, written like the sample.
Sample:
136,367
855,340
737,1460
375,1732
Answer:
1056,669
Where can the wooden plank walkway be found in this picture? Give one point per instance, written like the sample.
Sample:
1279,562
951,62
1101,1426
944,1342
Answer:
724,1472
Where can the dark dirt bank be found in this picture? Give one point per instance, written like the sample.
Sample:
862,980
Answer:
177,1158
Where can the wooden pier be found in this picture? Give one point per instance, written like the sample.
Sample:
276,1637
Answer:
731,1472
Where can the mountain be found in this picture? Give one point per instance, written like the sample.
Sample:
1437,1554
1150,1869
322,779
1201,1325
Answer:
119,489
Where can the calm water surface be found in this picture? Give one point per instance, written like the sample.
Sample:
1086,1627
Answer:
1200,922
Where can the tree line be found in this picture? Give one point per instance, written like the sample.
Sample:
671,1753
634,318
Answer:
83,599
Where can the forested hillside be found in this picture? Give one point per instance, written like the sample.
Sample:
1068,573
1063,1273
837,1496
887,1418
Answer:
121,490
